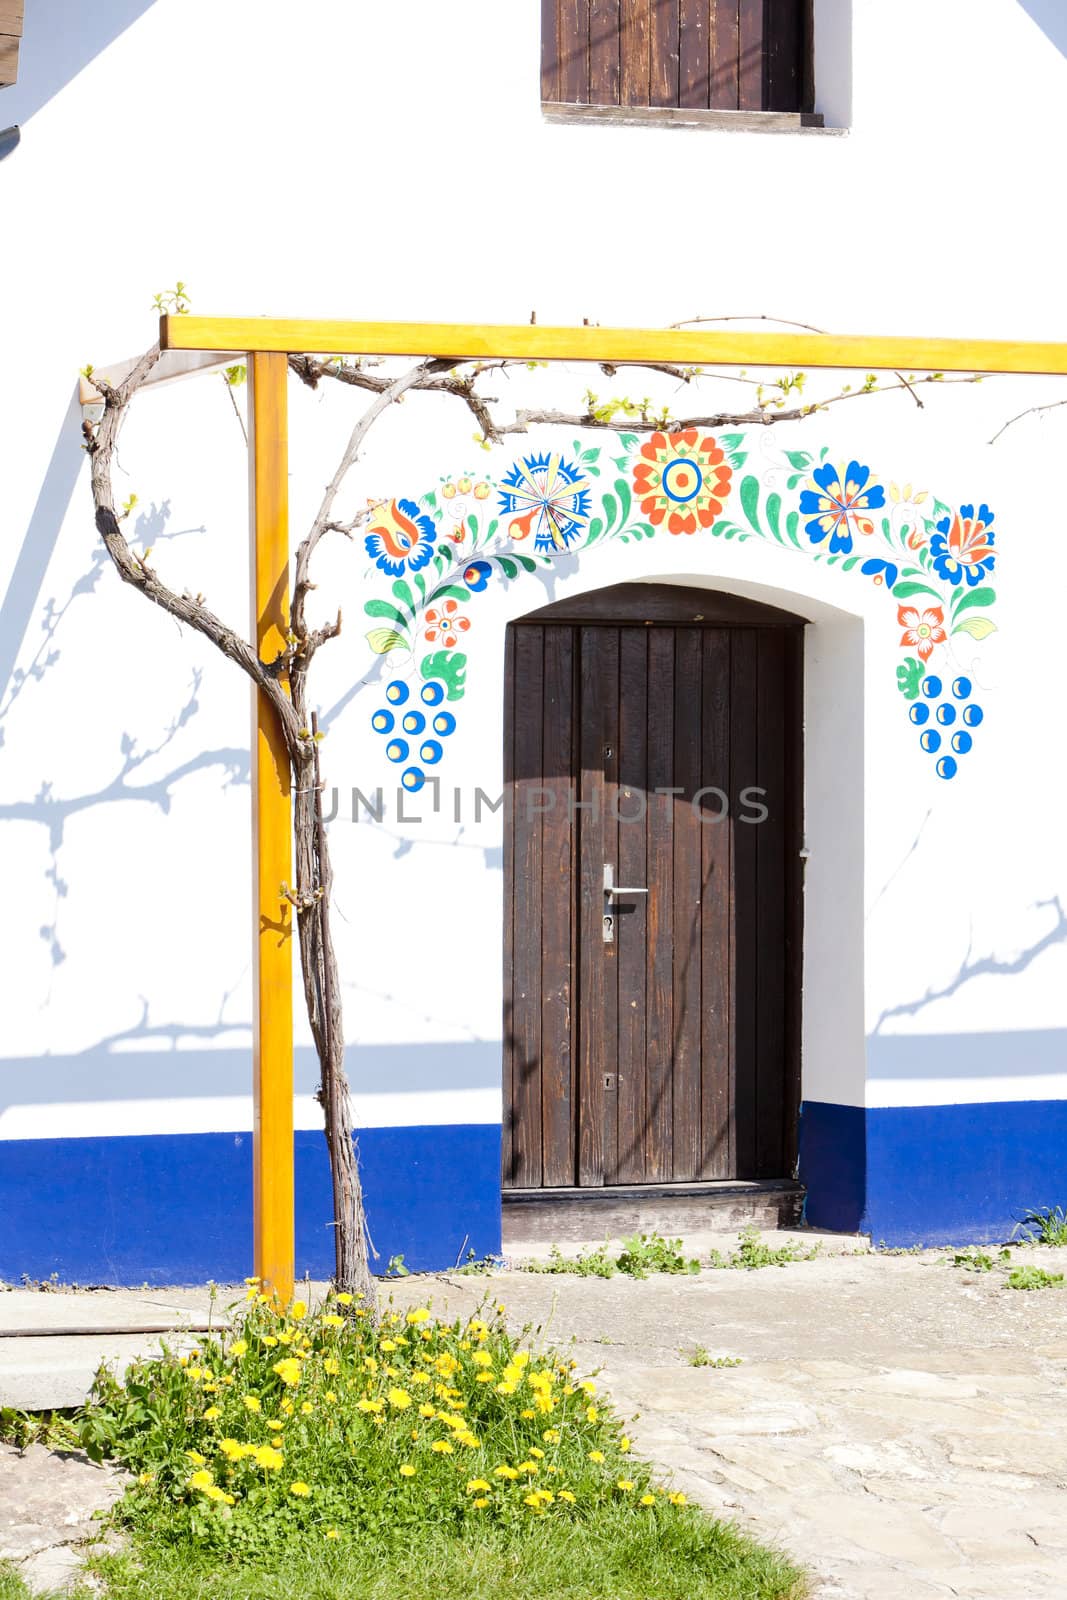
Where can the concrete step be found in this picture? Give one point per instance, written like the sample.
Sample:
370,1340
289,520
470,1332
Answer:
536,1219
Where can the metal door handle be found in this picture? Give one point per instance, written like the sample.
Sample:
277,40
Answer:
613,888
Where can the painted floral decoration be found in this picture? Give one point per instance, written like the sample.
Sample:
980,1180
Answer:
444,624
683,479
454,545
547,496
836,502
922,630
400,536
962,547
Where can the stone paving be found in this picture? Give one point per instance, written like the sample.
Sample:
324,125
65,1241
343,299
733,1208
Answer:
898,1425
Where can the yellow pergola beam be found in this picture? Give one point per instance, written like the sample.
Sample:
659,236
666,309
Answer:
686,346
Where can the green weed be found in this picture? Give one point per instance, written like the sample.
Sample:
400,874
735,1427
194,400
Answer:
700,1357
641,1254
1034,1278
752,1253
1045,1225
979,1260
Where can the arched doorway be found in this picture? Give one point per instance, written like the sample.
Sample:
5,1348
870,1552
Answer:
653,761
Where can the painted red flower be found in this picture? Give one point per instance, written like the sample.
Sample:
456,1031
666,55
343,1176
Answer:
682,479
922,630
445,623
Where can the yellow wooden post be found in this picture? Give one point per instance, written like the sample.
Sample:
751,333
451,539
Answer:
272,1143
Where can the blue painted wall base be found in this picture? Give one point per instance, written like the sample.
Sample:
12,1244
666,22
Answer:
932,1174
177,1208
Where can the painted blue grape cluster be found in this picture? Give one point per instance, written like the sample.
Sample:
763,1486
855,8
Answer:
414,730
948,716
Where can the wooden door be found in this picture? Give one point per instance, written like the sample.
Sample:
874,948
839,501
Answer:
652,1033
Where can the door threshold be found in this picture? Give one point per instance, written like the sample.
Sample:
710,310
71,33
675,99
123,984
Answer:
535,1218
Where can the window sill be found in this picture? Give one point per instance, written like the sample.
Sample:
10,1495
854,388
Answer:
804,122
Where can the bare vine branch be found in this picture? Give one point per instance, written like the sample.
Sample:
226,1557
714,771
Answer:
1031,411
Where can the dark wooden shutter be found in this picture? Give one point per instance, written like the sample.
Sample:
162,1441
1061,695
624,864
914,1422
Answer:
714,55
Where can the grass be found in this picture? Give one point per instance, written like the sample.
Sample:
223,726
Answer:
1034,1278
699,1356
641,1254
1045,1225
752,1253
320,1455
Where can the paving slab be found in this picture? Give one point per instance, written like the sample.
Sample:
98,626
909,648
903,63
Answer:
50,1505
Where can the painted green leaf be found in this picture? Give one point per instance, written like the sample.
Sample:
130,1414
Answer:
771,510
904,591
850,562
382,640
527,563
450,591
799,459
403,592
448,665
737,459
508,568
731,440
625,498
977,627
382,608
493,526
910,675
429,501
973,598
611,511
596,528
792,522
750,500
627,440
420,584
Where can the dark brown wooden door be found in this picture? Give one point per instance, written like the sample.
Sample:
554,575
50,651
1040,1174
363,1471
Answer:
651,1038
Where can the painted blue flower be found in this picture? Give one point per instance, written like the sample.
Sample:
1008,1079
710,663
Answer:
836,505
881,571
477,575
549,497
962,547
401,536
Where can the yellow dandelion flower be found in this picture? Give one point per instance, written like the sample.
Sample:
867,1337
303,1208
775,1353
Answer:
298,1310
333,1321
344,1298
506,1388
591,1413
369,1364
202,1479
624,1444
300,1489
251,1281
275,1424
533,1502
551,1436
597,1456
420,1314
285,1337
239,1347
648,1499
286,1408
306,1409
332,1533
251,1402
270,1340
421,1377
677,1499
213,1492
146,1477
537,1452
527,1415
565,1494
331,1366
330,1397
478,1485
482,1358
442,1446
505,1472
625,1484
371,1406
387,1344
399,1399
587,1386
212,1413
267,1457
407,1470
468,1439
480,1504
288,1371
232,1449
196,1458
484,1377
